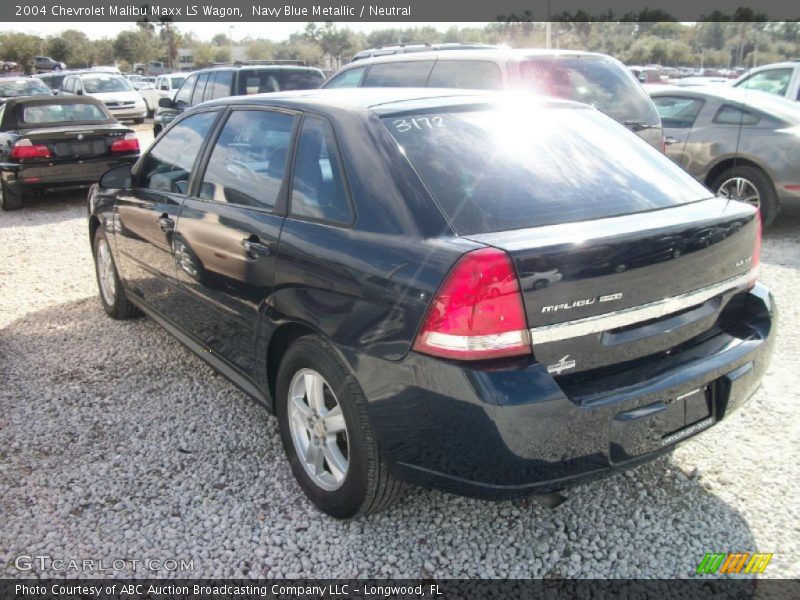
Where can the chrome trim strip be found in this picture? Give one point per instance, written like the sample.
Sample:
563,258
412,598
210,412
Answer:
636,314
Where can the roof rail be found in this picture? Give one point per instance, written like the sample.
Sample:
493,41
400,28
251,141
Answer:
239,63
421,46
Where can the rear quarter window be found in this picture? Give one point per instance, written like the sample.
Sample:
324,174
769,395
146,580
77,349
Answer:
732,115
513,168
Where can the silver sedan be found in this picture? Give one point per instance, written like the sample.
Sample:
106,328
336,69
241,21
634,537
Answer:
742,144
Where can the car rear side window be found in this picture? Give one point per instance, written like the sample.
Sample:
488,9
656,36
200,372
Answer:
732,115
677,111
261,81
399,74
518,166
248,163
466,74
349,79
318,188
199,89
168,165
221,86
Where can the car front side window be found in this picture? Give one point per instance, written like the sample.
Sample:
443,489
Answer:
184,94
166,168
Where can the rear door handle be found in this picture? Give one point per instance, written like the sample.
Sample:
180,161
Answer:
255,248
670,140
166,223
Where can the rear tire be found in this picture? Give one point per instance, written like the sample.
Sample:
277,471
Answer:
726,182
9,200
366,486
112,294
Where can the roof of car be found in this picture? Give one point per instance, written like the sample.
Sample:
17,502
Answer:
474,54
245,65
384,101
50,99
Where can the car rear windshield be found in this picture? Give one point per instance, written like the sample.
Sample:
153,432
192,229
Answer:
601,82
260,81
522,165
61,113
23,87
99,85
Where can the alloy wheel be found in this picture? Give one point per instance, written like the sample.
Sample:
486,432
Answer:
740,189
318,428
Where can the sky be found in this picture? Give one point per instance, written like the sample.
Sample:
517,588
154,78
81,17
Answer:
205,31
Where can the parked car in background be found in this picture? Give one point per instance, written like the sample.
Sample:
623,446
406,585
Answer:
411,47
9,65
114,91
743,144
45,63
11,87
154,67
780,79
58,142
236,79
144,83
694,81
165,86
647,75
491,294
588,77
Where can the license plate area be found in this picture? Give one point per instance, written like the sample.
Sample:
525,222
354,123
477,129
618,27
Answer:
654,426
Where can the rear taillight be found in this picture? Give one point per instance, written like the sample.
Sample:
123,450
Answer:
24,148
130,143
478,313
756,251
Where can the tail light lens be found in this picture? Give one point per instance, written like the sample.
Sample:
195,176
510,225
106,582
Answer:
756,251
130,143
24,148
478,313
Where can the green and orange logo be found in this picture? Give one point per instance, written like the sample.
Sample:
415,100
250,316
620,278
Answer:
733,562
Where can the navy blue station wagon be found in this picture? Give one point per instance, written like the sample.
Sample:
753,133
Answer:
488,294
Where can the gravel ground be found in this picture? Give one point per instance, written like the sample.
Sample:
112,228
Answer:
117,443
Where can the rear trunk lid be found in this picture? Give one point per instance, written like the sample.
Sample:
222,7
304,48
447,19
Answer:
610,290
77,141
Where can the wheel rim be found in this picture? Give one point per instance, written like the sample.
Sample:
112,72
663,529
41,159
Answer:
741,190
183,258
318,428
105,272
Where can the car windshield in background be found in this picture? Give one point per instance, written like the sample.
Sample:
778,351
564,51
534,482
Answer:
100,85
513,167
596,81
279,80
23,87
60,113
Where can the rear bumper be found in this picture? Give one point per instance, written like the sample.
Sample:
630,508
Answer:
129,113
513,430
26,178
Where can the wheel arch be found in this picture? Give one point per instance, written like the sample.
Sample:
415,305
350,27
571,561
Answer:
94,224
735,161
280,341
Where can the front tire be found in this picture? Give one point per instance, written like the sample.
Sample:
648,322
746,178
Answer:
751,185
327,435
112,294
9,199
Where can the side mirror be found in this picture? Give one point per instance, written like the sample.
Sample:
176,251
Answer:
165,103
79,91
118,178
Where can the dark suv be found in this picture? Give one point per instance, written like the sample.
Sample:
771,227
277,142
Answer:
486,294
236,79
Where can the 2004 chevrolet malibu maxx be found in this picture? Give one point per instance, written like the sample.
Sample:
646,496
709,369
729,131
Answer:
486,294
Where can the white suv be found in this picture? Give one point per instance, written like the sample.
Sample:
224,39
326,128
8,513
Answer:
588,77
